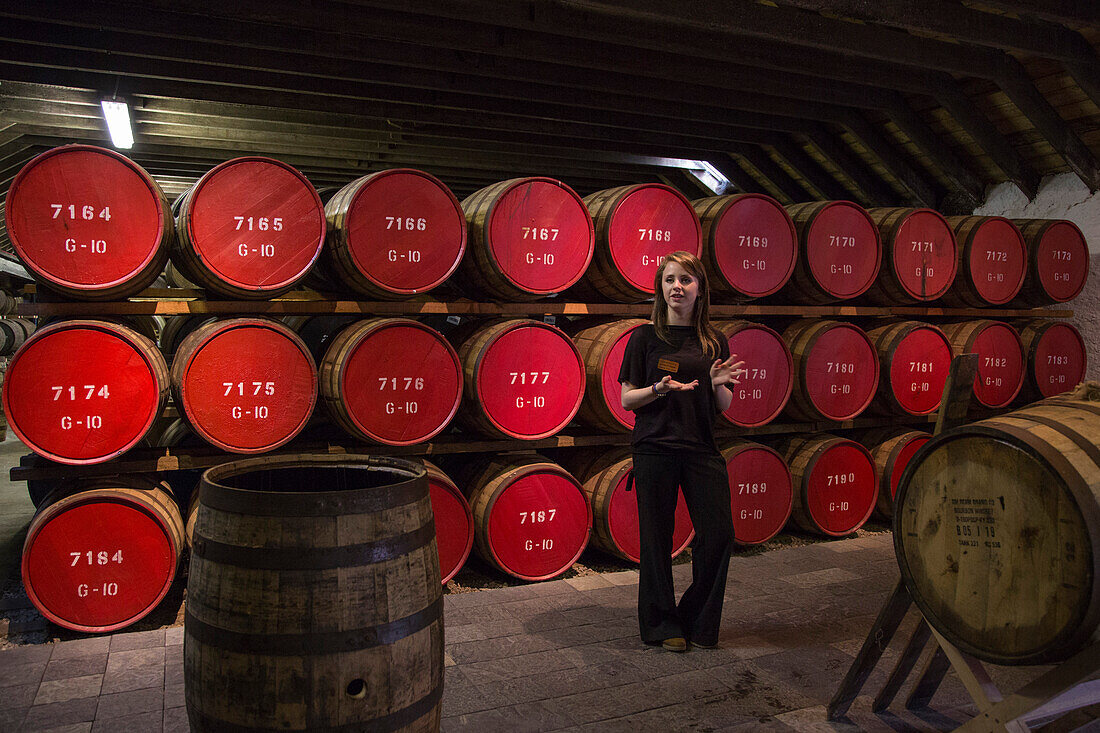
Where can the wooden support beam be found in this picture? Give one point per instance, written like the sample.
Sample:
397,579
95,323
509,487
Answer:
828,186
738,176
758,158
1067,12
903,667
935,669
920,189
872,190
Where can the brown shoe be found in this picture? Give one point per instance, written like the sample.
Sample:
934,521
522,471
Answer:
675,644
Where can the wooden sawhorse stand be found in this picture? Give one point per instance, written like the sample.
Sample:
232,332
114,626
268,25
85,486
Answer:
1069,686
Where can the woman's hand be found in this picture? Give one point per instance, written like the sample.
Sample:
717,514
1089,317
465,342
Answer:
726,372
668,384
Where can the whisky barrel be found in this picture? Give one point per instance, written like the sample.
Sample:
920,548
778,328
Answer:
996,532
523,379
760,491
529,237
914,358
313,599
100,554
176,329
1057,259
766,384
84,391
840,252
1055,357
393,234
836,370
1000,358
992,261
89,223
13,333
454,522
250,228
608,482
391,380
833,483
531,518
636,226
601,348
245,385
920,255
891,449
750,246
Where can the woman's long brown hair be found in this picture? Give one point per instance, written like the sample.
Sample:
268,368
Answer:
700,315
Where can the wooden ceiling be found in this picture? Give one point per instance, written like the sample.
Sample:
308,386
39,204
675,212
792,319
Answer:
884,102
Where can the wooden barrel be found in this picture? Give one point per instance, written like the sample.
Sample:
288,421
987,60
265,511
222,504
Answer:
601,348
997,532
529,237
840,252
636,226
833,483
992,261
836,370
394,234
1001,358
920,255
245,385
524,379
13,333
101,554
750,245
760,491
914,358
313,599
176,329
1057,261
766,384
531,518
84,391
249,228
608,483
891,449
454,522
88,222
1055,355
173,278
391,380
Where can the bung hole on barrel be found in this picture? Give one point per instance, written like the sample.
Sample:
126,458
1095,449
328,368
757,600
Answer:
357,689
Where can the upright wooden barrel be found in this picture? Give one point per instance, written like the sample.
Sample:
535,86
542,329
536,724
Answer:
1000,358
840,252
394,234
245,385
84,391
523,379
314,601
88,222
836,370
891,449
750,246
608,482
766,384
834,483
997,532
249,228
454,522
919,255
601,348
1055,355
760,491
992,261
531,518
914,359
529,237
391,380
1058,261
636,226
101,554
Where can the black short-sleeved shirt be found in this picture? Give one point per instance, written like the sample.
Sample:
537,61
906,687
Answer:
680,421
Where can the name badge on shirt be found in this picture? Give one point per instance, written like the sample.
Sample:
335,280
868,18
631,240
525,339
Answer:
668,365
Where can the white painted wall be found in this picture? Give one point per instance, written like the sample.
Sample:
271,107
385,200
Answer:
1063,197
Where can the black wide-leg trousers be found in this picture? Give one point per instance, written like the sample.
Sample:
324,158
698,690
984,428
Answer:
705,484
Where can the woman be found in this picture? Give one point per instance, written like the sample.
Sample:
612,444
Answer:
676,377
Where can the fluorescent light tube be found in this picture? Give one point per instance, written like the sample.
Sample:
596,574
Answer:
117,115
